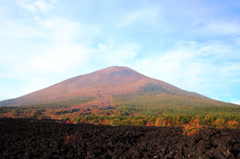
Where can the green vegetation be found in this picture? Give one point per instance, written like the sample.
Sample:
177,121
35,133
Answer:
218,116
158,100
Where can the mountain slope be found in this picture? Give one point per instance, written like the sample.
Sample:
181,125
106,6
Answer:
110,87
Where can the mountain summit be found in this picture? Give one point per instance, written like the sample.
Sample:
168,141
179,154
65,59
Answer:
111,76
112,87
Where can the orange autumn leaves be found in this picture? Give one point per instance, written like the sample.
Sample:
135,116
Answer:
220,124
194,127
232,124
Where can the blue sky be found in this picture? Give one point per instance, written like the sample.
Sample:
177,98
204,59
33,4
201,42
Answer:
194,45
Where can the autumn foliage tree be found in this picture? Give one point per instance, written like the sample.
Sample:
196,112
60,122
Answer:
192,128
167,122
219,123
159,121
150,123
232,124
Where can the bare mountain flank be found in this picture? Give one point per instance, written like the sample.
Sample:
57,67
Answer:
111,87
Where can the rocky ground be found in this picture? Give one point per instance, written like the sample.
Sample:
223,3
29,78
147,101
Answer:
27,139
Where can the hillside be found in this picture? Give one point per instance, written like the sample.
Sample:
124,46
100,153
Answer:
113,87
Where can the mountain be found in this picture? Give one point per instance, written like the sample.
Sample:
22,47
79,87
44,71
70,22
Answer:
113,87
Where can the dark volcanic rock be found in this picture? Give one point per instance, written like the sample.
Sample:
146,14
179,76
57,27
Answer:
25,139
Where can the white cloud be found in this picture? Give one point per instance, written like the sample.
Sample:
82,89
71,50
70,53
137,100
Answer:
237,40
16,29
53,1
101,46
49,65
230,70
37,52
190,68
222,27
149,15
30,7
43,6
39,5
235,101
59,59
50,44
121,55
60,30
45,61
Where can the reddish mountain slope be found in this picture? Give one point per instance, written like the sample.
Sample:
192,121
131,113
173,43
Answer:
109,86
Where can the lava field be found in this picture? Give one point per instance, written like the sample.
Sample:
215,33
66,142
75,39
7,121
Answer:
49,139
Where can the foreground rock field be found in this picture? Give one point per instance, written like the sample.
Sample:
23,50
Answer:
30,139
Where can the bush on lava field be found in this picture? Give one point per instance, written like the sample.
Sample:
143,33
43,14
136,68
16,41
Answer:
192,128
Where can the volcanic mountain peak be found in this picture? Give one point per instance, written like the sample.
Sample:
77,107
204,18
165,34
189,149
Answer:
115,75
112,86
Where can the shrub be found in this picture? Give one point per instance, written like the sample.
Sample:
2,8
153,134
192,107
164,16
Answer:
192,128
232,124
150,123
219,123
167,122
159,121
